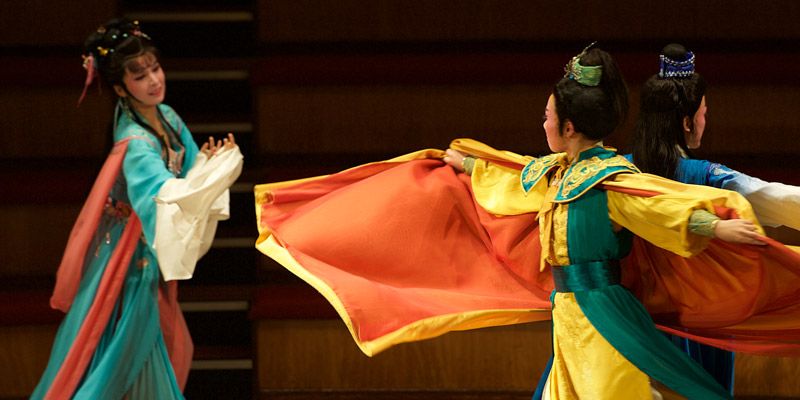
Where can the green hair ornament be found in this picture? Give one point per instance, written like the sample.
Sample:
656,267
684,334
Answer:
585,75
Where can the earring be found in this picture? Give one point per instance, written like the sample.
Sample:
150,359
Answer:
124,104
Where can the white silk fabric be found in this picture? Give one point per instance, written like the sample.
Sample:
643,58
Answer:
188,209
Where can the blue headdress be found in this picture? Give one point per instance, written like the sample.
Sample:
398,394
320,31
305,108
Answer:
671,68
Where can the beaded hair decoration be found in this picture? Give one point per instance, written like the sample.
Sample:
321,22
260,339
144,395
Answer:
90,58
670,68
585,75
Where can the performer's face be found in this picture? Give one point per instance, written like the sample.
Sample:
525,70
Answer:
554,138
695,133
145,81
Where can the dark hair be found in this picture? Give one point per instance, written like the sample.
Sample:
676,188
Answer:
658,137
114,45
595,111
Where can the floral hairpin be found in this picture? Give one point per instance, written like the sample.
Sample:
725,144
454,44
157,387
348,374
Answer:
137,32
585,75
91,73
90,60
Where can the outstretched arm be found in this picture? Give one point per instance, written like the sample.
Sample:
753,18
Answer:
678,217
459,161
775,203
704,223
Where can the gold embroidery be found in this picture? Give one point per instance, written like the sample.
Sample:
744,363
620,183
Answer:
537,166
587,169
553,229
560,249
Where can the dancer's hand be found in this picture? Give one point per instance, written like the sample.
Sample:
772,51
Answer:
454,159
738,231
212,147
229,142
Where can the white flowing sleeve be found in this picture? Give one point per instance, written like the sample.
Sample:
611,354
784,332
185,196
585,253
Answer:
188,209
775,203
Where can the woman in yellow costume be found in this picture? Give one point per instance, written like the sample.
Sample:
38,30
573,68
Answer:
605,344
488,249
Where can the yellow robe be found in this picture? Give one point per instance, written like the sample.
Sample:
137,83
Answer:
584,361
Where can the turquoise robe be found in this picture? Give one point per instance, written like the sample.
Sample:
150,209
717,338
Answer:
131,359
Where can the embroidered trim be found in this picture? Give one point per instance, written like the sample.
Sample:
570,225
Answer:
117,209
671,68
468,164
702,223
560,248
587,173
537,168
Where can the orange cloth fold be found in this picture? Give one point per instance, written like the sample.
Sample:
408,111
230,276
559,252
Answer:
403,252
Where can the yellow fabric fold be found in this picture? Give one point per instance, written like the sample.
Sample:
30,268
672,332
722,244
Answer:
486,152
499,191
579,347
663,219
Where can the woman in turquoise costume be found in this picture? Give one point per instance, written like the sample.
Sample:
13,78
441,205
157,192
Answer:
670,124
151,214
605,344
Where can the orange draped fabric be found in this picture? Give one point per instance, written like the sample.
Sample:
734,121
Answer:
70,271
400,242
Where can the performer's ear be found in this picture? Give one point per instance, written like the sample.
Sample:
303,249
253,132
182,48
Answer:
567,129
120,91
687,124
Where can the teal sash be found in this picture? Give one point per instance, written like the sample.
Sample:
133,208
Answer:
586,276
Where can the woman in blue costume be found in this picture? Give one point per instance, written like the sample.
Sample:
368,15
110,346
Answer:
669,126
123,335
605,344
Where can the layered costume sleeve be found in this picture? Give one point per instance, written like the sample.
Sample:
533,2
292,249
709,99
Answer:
732,296
145,172
496,180
658,210
179,214
775,203
189,207
188,210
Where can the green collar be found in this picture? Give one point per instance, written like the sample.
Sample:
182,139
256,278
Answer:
593,166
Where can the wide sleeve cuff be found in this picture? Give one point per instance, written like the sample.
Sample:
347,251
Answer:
188,209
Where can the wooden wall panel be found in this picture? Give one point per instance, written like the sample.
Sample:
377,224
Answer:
742,119
50,23
24,351
313,355
391,119
45,122
767,377
321,355
33,240
539,20
752,119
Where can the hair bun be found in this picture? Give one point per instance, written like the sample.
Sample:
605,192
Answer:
112,35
